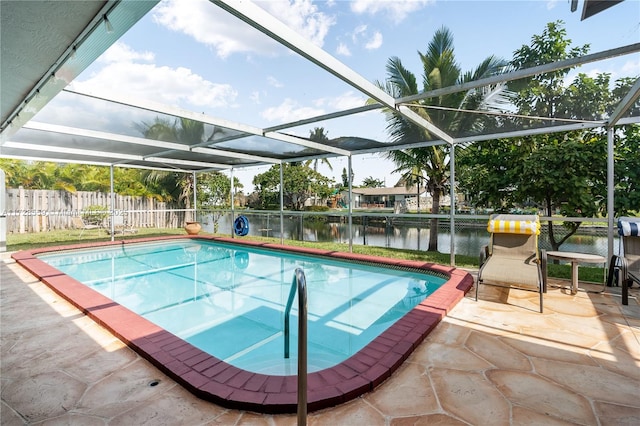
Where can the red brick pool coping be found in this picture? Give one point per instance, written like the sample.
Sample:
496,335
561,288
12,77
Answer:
214,380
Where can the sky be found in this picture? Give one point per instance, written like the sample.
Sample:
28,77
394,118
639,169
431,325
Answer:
192,54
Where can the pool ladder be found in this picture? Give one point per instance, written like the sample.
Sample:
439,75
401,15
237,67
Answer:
299,283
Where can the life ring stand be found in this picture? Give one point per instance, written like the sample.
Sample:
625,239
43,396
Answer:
241,226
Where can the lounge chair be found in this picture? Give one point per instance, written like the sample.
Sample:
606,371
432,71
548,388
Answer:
512,259
120,226
79,223
626,265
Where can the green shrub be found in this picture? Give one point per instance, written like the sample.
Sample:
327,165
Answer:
95,214
316,209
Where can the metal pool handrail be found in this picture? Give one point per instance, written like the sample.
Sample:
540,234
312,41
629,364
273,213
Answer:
300,283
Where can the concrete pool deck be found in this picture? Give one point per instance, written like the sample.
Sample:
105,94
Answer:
495,361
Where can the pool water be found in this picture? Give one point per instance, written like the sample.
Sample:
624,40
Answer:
229,301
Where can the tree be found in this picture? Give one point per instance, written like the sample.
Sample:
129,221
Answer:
564,173
318,134
300,182
214,190
345,178
73,177
371,182
627,172
440,69
175,186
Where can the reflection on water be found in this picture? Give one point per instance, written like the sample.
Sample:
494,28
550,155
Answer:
469,237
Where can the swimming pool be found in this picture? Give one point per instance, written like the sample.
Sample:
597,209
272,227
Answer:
212,317
230,301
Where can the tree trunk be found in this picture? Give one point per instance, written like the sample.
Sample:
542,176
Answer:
433,223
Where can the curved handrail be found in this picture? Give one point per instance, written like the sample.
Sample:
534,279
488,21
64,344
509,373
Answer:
299,283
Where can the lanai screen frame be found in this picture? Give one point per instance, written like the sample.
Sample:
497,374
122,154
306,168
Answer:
210,158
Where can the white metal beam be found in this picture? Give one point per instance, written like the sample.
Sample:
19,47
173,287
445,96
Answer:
110,154
627,102
323,117
259,19
169,146
309,144
72,151
524,73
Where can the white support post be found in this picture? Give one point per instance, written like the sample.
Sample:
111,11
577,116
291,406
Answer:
113,203
350,208
452,212
610,192
233,204
3,213
281,204
195,196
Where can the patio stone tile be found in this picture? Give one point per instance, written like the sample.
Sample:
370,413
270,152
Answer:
447,333
542,396
176,407
618,360
496,352
131,383
471,397
594,382
562,336
617,415
43,396
351,413
109,358
255,419
449,356
8,417
629,342
410,395
524,417
535,347
71,418
428,420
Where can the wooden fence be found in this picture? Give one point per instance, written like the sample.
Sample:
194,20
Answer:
44,210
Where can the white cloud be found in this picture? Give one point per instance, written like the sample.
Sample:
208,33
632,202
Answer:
272,81
216,28
212,26
255,97
347,100
173,86
375,42
343,50
630,67
359,31
551,4
396,9
120,52
303,17
289,110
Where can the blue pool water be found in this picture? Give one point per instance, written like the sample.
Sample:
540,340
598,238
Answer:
229,301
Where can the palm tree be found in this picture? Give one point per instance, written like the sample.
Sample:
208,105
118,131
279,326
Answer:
440,69
318,134
176,186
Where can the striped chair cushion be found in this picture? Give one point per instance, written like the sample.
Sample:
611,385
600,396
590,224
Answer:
629,226
528,227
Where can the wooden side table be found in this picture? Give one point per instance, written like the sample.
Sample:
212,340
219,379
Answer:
576,259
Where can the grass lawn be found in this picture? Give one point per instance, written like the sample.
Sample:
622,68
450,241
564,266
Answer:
16,242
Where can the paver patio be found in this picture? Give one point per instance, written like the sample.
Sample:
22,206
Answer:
496,361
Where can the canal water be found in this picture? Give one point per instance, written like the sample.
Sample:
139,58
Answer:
469,236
